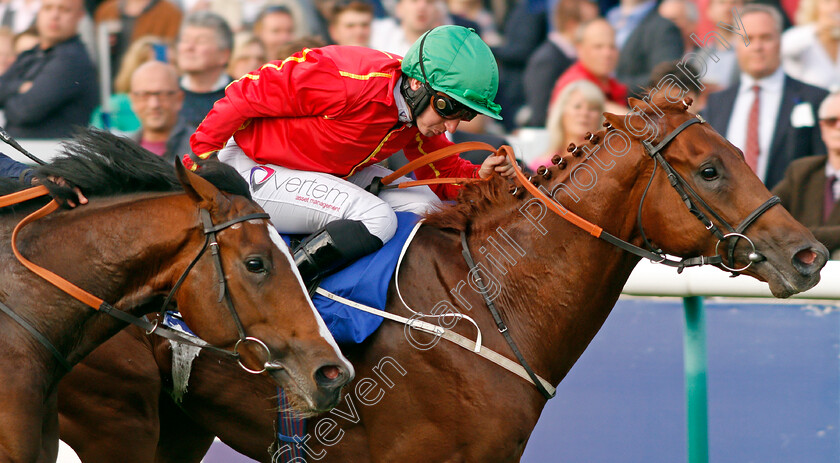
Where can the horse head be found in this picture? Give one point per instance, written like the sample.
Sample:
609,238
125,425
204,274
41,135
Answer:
255,301
691,172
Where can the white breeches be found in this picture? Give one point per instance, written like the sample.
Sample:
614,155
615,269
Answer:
301,202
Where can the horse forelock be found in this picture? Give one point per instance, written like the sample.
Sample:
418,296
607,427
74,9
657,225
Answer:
660,100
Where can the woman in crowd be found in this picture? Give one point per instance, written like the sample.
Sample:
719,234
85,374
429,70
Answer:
578,110
811,50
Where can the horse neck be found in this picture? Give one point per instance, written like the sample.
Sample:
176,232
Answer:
118,250
565,281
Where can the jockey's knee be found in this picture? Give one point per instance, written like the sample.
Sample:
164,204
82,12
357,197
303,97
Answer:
381,221
417,200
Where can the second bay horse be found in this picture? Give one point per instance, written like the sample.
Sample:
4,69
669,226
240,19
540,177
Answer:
143,236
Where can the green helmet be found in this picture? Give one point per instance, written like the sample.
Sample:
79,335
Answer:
457,62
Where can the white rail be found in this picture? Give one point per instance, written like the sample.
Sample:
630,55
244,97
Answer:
649,279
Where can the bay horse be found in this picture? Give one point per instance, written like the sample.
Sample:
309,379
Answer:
417,398
143,236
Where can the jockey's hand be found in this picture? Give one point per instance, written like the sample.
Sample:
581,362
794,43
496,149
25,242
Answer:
497,163
61,182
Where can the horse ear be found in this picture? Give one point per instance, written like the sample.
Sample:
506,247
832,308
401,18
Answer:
613,120
197,188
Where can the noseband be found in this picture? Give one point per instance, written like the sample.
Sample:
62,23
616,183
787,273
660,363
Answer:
90,300
691,200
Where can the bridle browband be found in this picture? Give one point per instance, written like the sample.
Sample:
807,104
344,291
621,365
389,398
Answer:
209,229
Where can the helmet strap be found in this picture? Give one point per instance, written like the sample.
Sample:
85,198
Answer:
419,99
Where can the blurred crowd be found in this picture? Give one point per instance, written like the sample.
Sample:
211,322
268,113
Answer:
760,72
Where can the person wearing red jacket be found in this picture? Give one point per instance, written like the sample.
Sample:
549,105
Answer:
308,131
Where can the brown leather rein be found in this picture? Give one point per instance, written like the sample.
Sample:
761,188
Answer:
97,303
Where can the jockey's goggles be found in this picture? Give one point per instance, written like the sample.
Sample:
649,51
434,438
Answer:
449,108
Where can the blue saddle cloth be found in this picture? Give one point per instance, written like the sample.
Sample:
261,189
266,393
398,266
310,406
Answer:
366,282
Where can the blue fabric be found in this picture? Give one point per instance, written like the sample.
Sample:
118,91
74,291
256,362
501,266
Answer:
366,282
624,25
9,168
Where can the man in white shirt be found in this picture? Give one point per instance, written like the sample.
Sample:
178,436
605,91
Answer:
771,117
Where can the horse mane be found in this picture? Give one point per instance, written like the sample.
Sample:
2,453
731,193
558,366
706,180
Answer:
473,199
102,165
480,198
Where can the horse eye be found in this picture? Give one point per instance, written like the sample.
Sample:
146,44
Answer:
255,265
709,173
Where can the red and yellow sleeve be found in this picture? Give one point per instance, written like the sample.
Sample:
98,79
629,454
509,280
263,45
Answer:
306,84
452,166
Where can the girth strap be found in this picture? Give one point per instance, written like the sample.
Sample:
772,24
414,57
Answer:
40,337
500,324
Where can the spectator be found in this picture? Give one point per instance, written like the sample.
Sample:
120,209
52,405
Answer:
137,18
248,55
554,56
597,57
770,116
413,19
19,15
350,23
275,26
26,40
121,117
644,39
203,54
723,73
51,88
811,51
524,31
810,189
473,10
578,110
157,99
684,14
7,48
311,41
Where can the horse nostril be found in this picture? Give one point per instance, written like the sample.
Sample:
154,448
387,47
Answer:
330,376
330,372
806,256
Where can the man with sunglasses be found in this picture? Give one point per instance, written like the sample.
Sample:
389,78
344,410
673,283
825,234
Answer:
308,132
810,189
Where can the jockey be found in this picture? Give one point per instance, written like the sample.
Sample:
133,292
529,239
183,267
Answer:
309,130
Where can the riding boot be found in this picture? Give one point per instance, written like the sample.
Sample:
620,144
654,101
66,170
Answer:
332,248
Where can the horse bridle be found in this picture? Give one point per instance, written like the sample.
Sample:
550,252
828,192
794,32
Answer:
210,229
691,199
210,241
